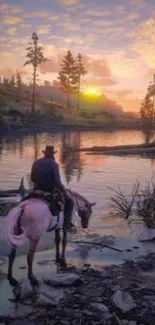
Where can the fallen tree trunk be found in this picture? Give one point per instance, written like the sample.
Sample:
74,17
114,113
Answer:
121,150
143,146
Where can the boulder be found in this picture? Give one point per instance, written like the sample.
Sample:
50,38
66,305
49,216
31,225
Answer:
64,280
45,301
101,309
123,301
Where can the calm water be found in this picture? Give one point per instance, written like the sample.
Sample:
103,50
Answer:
89,175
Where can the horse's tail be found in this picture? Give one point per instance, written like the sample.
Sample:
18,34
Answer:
12,223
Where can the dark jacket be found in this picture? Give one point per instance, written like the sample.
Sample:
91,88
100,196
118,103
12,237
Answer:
45,174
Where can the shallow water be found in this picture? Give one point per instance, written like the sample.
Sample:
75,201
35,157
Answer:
89,175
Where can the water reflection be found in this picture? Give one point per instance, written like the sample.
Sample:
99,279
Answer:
148,136
18,151
36,146
71,161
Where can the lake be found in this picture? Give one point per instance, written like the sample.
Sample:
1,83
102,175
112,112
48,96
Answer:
90,175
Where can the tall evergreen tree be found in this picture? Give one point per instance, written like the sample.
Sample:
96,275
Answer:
146,112
18,80
12,81
6,81
35,58
80,73
68,76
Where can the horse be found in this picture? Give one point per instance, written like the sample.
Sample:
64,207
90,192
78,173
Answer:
30,218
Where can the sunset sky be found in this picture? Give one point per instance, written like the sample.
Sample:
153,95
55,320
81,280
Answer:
116,37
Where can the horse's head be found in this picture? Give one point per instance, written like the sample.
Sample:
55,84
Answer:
85,213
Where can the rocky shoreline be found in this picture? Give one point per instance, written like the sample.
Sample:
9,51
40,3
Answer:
115,295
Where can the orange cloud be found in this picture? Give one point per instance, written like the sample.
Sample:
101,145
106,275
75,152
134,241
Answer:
6,8
144,41
11,31
42,14
12,20
43,29
68,2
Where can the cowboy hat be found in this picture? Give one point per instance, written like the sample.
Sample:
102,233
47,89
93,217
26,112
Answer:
49,150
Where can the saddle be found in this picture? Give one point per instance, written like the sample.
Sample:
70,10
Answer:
54,199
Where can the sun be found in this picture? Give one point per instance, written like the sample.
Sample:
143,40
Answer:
91,92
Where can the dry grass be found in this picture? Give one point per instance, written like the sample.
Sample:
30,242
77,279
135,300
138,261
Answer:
145,207
141,202
122,205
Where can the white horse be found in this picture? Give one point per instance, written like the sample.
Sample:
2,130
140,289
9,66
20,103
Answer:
30,218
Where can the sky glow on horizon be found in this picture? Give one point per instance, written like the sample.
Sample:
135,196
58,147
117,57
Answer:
117,41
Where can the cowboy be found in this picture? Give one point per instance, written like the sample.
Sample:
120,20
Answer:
46,177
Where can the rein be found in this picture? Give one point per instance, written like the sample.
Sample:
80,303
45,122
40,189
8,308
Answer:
76,195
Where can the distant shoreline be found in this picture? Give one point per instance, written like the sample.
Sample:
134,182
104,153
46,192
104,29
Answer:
71,127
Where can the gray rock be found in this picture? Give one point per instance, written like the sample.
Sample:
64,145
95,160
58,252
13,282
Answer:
43,300
24,290
123,300
127,322
23,322
64,280
88,313
102,309
150,298
115,287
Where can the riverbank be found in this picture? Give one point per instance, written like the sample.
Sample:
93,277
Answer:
115,295
108,126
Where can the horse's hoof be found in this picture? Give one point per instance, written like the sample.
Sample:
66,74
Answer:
33,281
13,282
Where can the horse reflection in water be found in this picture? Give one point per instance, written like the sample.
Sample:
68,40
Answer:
30,219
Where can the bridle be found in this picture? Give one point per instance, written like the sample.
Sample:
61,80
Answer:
79,208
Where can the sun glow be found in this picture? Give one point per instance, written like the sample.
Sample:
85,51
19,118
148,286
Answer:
91,92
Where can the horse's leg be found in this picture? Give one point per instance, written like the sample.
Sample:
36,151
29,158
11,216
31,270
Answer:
64,243
30,256
57,244
12,255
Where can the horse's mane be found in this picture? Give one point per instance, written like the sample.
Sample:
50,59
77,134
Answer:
79,196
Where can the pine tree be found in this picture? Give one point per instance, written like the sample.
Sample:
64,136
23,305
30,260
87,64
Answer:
146,112
18,81
12,81
35,58
6,81
80,73
68,76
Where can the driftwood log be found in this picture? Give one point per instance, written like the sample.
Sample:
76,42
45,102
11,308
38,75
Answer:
121,150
